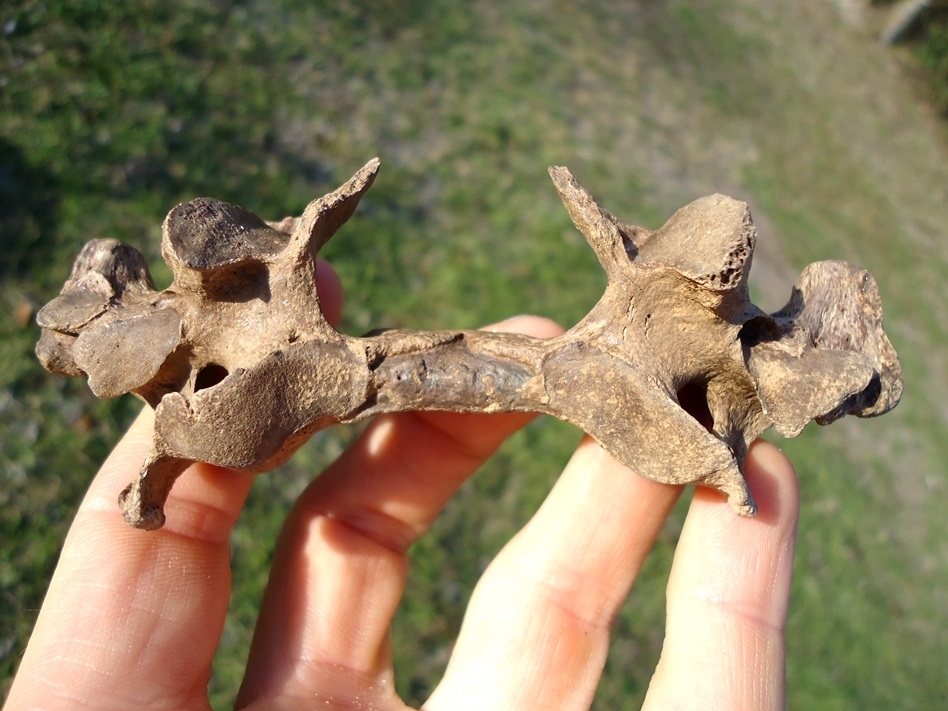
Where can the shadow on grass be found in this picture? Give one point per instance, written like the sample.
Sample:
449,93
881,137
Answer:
29,207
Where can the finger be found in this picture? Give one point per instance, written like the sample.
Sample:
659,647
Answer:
728,595
536,631
329,287
340,565
132,618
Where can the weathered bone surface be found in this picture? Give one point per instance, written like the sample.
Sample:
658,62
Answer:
674,370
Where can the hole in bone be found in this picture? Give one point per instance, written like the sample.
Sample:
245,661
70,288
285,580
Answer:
693,398
209,376
757,330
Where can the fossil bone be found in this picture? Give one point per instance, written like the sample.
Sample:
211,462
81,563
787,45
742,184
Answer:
674,371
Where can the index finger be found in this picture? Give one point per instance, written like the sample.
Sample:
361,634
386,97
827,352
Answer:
132,618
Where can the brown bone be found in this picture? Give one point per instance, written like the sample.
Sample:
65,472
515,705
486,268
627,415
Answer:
674,371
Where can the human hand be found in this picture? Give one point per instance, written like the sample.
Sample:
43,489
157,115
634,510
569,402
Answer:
132,619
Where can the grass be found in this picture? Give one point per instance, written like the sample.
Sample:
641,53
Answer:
111,113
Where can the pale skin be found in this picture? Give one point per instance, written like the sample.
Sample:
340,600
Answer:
132,619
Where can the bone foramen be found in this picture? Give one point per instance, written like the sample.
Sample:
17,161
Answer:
674,371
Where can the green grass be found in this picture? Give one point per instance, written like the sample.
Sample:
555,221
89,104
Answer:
113,112
933,54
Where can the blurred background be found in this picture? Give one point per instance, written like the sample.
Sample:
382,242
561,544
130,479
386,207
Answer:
113,111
